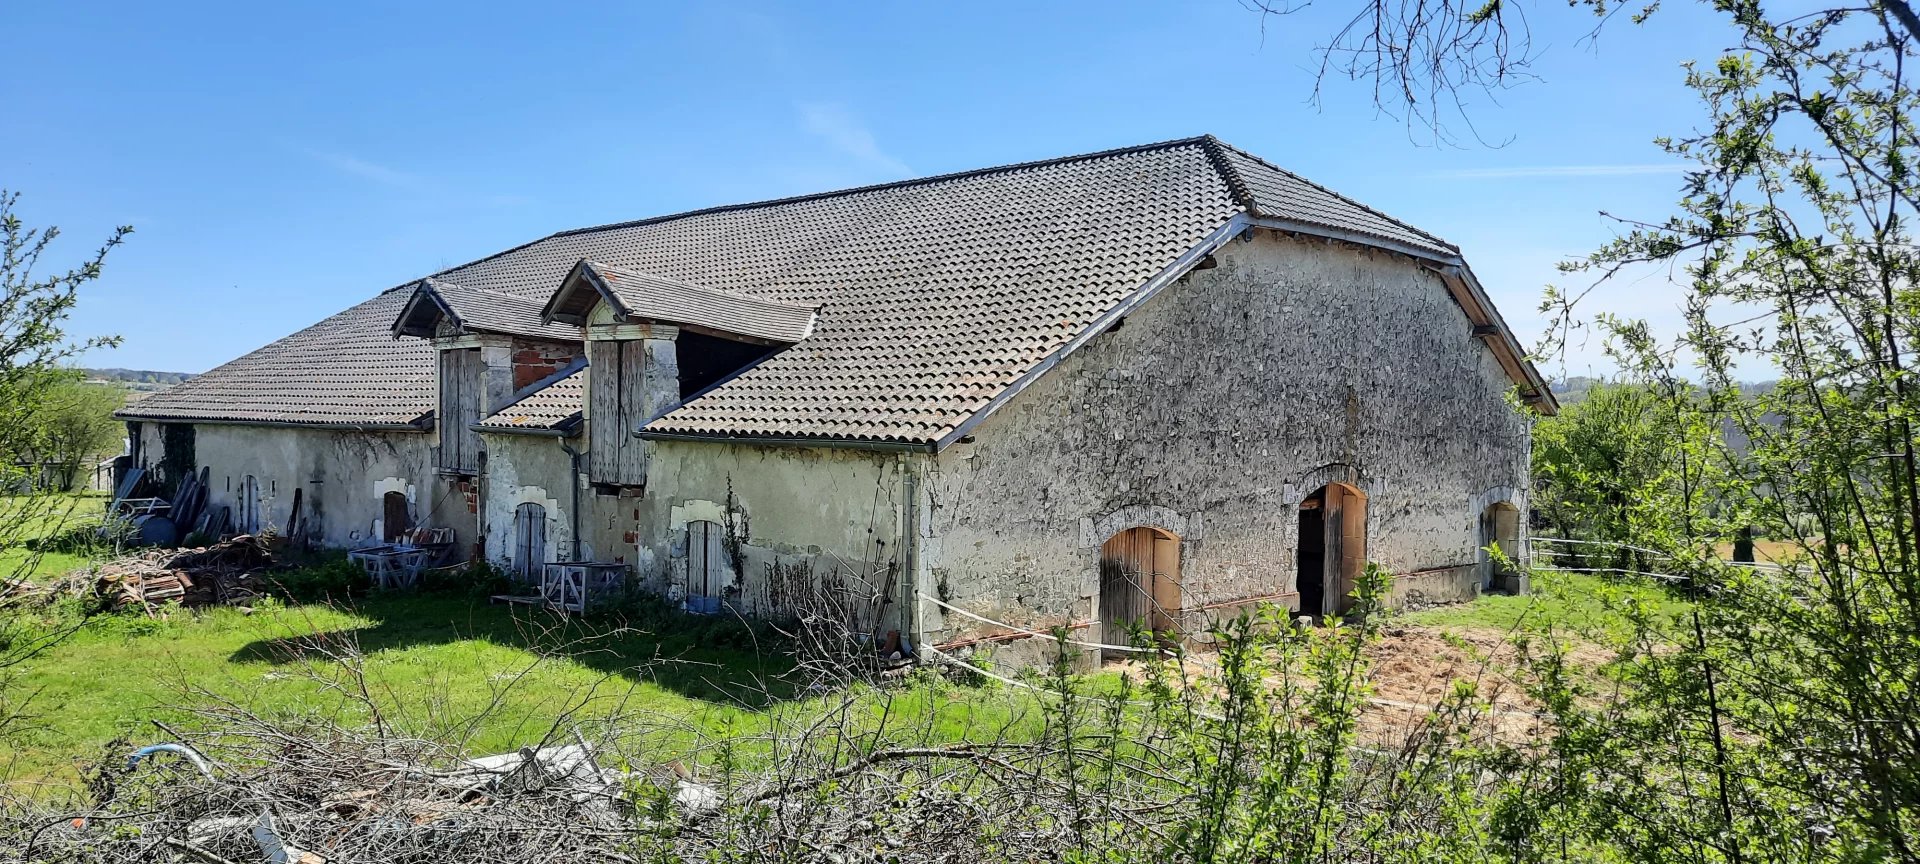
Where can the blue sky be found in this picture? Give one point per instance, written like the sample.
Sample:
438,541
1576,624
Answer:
280,162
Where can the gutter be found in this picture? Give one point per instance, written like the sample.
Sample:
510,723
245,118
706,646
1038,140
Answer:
839,443
573,515
424,424
535,431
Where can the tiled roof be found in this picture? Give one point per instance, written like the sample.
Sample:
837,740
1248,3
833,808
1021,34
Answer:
345,371
1275,192
656,298
557,406
934,295
477,311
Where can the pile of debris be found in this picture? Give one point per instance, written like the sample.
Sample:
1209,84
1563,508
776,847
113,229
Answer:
342,799
225,573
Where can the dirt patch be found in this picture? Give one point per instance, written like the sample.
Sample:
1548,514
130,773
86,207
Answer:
1416,668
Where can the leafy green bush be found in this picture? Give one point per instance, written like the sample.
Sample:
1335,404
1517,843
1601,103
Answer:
329,578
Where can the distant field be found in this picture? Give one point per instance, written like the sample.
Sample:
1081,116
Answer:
1763,550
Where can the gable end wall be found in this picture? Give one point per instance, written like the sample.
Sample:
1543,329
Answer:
1209,413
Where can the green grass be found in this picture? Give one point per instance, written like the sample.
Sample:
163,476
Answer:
1581,603
489,678
29,550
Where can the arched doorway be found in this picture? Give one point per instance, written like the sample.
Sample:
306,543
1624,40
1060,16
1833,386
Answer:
1139,584
1499,528
1332,548
529,541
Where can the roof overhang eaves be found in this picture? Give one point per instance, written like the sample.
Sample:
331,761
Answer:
406,325
424,423
794,441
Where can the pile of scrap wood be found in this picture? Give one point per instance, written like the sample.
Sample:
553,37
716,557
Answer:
224,573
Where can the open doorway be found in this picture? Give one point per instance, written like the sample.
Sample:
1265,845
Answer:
1499,528
1139,585
395,519
1332,549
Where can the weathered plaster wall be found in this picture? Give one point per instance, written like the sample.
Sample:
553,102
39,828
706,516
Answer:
1210,413
343,475
832,514
529,469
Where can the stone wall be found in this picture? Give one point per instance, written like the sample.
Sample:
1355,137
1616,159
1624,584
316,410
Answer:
1210,413
342,475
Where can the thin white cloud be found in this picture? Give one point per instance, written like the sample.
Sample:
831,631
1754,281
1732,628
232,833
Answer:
346,164
844,132
1562,171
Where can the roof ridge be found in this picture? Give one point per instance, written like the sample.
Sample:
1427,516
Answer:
728,292
1346,198
1236,185
815,196
487,291
875,187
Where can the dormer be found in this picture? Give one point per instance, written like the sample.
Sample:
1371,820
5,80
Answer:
654,342
491,345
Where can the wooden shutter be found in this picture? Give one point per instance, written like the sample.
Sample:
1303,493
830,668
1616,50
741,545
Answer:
529,540
460,396
633,384
708,570
606,426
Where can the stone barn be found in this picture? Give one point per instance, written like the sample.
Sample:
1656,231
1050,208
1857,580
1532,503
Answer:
1154,384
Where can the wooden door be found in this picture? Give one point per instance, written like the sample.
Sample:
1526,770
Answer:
1345,524
1166,583
461,389
708,570
1139,582
529,540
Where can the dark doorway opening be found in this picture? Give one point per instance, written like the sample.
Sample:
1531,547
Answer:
1311,554
395,522
1332,550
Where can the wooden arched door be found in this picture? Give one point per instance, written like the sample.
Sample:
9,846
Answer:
1139,584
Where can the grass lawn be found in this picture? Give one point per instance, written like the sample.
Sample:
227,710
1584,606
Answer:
1582,603
37,518
492,678
495,678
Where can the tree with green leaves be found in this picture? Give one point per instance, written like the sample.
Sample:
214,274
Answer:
34,307
77,427
1783,723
